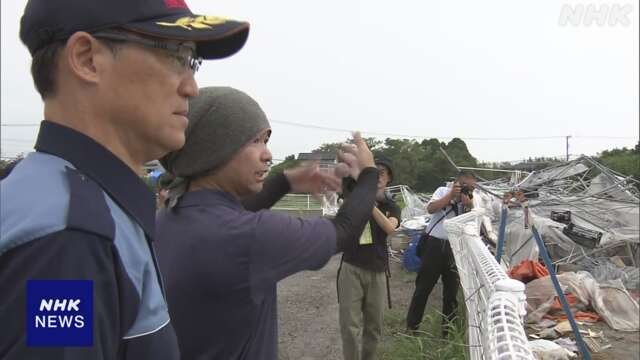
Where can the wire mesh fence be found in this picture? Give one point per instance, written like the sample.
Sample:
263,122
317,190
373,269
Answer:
495,304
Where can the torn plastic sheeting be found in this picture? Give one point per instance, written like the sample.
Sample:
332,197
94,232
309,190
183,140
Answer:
551,232
548,350
606,271
519,244
553,174
567,344
616,306
414,204
485,201
617,222
519,247
602,182
611,300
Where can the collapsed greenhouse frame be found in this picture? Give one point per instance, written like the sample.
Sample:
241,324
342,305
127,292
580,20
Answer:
586,213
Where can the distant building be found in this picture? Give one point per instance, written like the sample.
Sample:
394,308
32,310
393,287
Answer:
326,160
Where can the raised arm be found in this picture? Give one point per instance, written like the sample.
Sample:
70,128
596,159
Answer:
388,224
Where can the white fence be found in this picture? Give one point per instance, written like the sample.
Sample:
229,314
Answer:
495,303
298,202
413,204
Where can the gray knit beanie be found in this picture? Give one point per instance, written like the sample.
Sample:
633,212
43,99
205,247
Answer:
221,121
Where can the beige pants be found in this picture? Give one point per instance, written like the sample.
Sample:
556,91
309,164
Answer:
361,295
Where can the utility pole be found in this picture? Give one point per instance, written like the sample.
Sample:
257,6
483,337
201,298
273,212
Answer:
567,140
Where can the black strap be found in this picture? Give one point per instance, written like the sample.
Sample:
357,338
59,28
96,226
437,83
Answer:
442,218
454,206
338,278
387,271
420,244
387,276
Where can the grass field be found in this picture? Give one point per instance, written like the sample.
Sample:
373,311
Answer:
298,202
427,343
398,344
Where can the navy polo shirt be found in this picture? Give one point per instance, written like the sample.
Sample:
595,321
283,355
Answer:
221,264
73,211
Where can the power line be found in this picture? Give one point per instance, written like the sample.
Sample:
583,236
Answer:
311,126
402,135
348,131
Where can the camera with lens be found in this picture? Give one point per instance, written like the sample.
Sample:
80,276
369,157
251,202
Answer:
467,190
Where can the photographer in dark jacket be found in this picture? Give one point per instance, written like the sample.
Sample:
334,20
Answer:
435,251
362,274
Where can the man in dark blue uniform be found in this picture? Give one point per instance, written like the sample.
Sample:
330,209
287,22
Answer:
78,272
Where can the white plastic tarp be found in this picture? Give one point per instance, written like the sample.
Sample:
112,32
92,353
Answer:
610,299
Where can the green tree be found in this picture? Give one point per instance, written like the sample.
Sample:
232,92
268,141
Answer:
372,143
405,155
625,161
422,165
289,162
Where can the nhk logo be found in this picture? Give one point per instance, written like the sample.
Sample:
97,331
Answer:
59,313
596,14
63,321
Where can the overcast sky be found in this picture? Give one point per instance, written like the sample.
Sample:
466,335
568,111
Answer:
439,68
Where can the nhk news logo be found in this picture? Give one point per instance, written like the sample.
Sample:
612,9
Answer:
59,313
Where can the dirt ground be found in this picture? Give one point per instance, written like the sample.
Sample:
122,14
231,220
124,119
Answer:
308,316
308,311
623,345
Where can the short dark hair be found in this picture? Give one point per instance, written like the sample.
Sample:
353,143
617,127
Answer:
380,159
45,62
43,68
465,173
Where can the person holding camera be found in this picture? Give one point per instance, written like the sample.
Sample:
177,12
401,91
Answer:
435,251
363,272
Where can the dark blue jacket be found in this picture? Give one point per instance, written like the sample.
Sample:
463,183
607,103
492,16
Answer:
72,210
222,264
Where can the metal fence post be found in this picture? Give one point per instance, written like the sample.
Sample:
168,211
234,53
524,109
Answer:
503,224
565,306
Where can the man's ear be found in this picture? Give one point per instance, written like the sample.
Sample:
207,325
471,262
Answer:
84,55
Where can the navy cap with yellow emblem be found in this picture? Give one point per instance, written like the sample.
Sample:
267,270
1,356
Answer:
47,21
